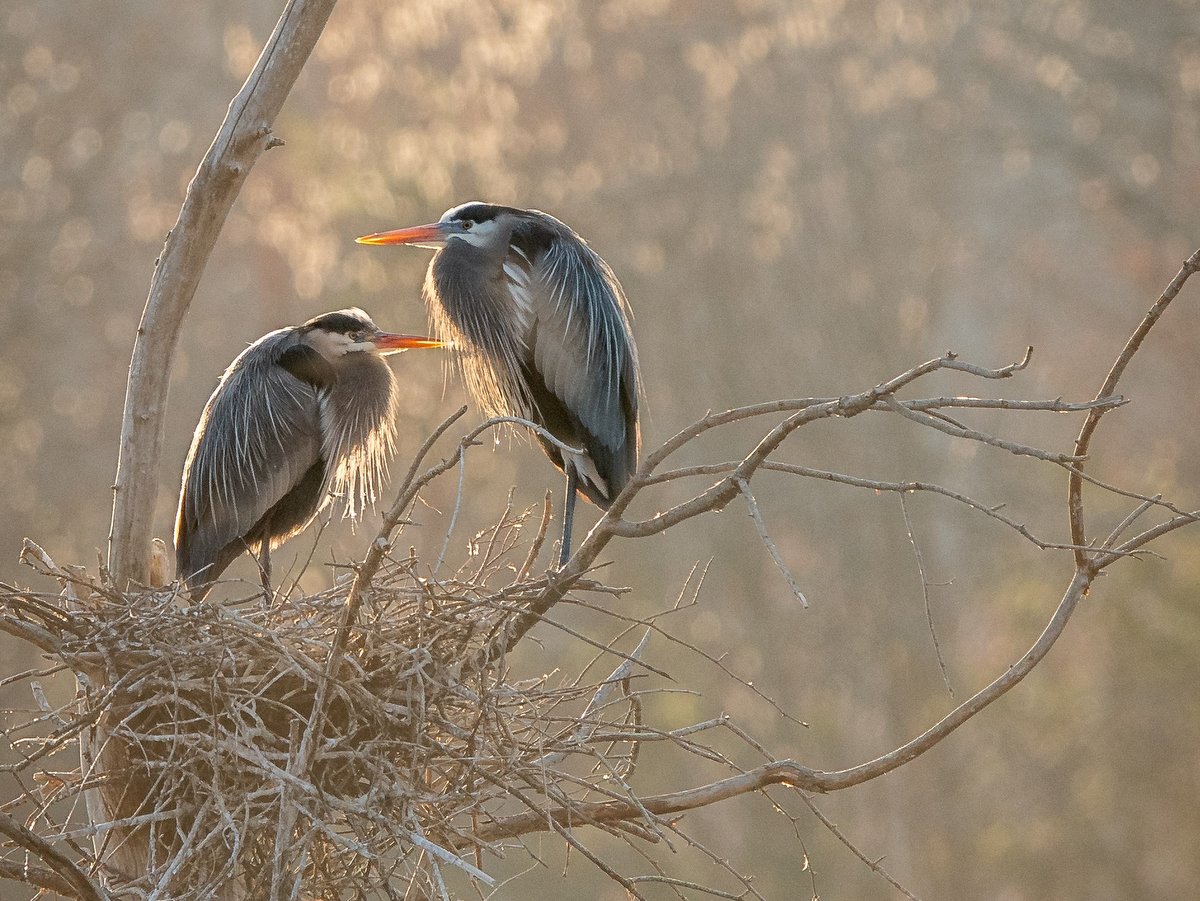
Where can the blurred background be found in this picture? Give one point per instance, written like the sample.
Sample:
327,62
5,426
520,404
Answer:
801,198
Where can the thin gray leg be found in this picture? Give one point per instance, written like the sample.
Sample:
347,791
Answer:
264,568
564,551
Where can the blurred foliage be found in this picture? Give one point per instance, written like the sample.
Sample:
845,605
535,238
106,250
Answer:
801,198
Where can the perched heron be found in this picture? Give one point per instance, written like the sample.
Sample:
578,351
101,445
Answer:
303,415
542,327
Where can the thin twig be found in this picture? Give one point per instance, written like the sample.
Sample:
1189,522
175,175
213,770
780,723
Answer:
761,526
538,540
82,887
1083,442
958,431
1129,520
458,498
874,865
937,645
992,511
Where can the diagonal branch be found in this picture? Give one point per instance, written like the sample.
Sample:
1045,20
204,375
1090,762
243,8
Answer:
1083,442
242,138
789,772
39,877
80,885
612,524
761,525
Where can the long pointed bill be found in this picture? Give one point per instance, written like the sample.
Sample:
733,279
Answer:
386,343
432,235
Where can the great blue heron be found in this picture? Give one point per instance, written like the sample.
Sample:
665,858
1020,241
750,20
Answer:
542,327
303,415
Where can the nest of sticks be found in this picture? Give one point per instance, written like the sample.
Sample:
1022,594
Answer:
366,741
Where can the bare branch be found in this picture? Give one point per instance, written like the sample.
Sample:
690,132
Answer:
81,886
937,645
1083,442
789,772
958,431
781,772
808,410
1133,545
837,833
977,702
993,511
1001,403
761,526
538,540
242,138
39,877
1129,520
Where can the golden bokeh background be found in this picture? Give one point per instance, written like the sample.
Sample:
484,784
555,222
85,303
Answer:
801,198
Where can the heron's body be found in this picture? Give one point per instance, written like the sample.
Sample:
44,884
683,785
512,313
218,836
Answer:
543,331
303,415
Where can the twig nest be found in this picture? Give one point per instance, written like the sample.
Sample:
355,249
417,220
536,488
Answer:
215,778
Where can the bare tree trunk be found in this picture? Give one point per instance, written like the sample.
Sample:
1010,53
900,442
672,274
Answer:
243,136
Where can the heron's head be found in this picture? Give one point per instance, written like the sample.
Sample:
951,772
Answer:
482,225
334,335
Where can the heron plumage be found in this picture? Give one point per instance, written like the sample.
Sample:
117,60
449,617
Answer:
304,415
543,332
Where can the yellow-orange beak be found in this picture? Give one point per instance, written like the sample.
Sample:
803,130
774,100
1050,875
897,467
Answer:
433,235
387,343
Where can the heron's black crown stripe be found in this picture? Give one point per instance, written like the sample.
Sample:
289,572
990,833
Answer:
340,323
479,212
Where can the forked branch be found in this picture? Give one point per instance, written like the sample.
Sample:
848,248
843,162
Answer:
242,138
1084,441
736,476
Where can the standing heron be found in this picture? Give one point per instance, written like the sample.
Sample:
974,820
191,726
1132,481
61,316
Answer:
542,326
303,415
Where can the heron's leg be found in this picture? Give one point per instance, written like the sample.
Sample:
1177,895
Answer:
264,568
264,559
568,515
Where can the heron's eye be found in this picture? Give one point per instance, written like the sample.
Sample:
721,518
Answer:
356,337
466,224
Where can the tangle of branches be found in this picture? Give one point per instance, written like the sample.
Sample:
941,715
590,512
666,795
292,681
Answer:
370,739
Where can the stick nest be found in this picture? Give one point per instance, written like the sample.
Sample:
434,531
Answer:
199,736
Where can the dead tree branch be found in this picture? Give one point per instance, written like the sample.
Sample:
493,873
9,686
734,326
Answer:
373,734
1075,485
242,138
64,876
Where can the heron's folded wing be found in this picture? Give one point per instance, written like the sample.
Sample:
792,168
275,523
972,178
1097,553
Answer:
258,436
583,349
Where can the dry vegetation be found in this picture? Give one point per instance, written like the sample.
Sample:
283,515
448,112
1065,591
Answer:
214,769
369,741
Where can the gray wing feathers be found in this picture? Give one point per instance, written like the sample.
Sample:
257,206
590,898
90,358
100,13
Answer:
584,350
563,315
268,439
358,417
486,332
